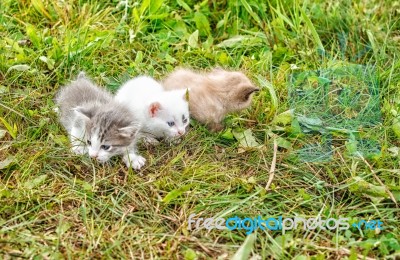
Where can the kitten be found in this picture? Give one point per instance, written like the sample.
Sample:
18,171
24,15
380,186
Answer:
213,94
96,123
163,114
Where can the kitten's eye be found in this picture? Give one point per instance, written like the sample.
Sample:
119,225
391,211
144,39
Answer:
105,147
88,142
171,123
184,120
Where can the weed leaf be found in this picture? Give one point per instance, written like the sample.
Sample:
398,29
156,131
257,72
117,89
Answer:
10,160
245,249
19,67
35,182
176,193
246,138
184,5
194,39
283,118
33,35
12,130
202,24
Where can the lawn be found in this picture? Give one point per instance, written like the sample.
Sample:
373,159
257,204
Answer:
291,154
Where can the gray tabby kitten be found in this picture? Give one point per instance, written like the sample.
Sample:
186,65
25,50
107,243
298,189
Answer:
97,124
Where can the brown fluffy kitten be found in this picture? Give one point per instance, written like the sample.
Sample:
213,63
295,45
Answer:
212,94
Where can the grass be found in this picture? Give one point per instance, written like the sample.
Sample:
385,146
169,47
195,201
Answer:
57,205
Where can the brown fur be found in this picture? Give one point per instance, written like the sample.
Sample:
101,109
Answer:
214,94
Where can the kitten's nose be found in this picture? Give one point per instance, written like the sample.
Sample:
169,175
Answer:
181,132
93,155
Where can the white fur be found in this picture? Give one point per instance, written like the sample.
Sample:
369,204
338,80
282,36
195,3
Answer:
155,107
77,137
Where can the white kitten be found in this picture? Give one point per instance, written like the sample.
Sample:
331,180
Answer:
162,114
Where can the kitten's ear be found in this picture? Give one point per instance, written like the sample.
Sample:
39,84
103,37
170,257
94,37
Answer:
247,91
84,112
81,75
128,131
154,108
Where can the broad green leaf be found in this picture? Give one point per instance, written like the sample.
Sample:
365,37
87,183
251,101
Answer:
284,118
10,160
33,35
50,63
56,53
19,67
396,127
351,145
184,5
190,254
220,23
239,41
62,228
144,6
35,182
396,194
158,16
232,42
15,46
246,248
301,257
283,143
139,57
246,138
359,186
279,244
202,24
227,134
86,186
312,123
170,59
155,5
223,58
136,15
295,128
208,43
193,39
172,195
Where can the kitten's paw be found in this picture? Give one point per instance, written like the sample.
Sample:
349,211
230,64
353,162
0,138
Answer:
134,161
216,127
175,141
78,149
151,141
